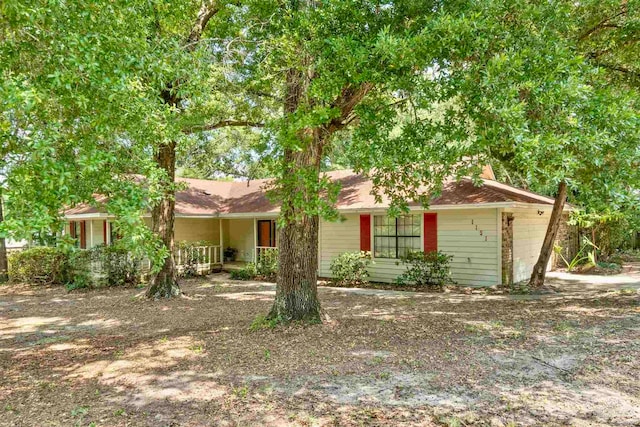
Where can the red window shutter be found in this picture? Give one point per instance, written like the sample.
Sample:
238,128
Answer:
83,234
365,233
430,232
72,229
104,232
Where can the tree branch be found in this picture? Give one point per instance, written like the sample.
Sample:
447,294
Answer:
605,22
598,54
208,9
349,98
223,124
624,70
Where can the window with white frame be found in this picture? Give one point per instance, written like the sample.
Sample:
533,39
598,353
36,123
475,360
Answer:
395,237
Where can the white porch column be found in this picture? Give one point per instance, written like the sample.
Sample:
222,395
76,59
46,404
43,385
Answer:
221,241
255,240
90,233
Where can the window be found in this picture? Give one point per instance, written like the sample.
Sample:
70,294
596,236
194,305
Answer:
395,237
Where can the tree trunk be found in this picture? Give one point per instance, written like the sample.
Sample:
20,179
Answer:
540,269
164,284
297,286
4,263
297,290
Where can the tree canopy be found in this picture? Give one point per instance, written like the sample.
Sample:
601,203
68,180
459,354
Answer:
408,92
85,88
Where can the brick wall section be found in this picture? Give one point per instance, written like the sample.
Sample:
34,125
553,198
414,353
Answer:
568,239
507,248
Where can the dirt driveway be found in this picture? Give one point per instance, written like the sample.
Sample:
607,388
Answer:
110,358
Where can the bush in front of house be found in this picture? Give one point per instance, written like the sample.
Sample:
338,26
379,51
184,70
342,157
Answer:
267,265
40,265
248,272
45,265
191,257
350,269
430,270
115,266
265,269
79,273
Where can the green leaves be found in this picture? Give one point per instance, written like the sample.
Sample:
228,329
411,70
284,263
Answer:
85,94
536,86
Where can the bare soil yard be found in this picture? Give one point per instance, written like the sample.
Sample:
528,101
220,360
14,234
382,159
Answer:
110,358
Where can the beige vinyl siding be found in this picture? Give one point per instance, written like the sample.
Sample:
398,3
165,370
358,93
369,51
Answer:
238,233
470,236
529,229
194,229
475,254
336,238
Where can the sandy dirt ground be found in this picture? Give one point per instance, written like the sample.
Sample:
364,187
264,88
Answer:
109,357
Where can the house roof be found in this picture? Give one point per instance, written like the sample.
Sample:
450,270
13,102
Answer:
209,197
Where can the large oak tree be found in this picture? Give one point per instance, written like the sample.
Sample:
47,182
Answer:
116,88
419,84
366,69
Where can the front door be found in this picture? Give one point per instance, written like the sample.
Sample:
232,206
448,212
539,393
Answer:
267,233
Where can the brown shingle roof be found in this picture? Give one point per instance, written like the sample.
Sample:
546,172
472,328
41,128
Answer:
208,197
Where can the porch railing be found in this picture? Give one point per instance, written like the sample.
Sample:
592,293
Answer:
262,250
203,257
15,249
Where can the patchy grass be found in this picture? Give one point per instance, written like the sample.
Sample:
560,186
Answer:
104,357
262,322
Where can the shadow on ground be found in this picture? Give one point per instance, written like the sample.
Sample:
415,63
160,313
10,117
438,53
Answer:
111,358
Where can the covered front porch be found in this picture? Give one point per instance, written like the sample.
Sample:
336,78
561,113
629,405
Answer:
228,243
216,241
245,239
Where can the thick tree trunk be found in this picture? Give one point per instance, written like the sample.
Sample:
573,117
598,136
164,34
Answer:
297,286
297,291
164,284
540,269
4,263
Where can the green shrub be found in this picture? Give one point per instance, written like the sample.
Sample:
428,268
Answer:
51,266
580,258
265,269
115,266
79,273
430,269
350,268
267,265
40,265
248,272
612,266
